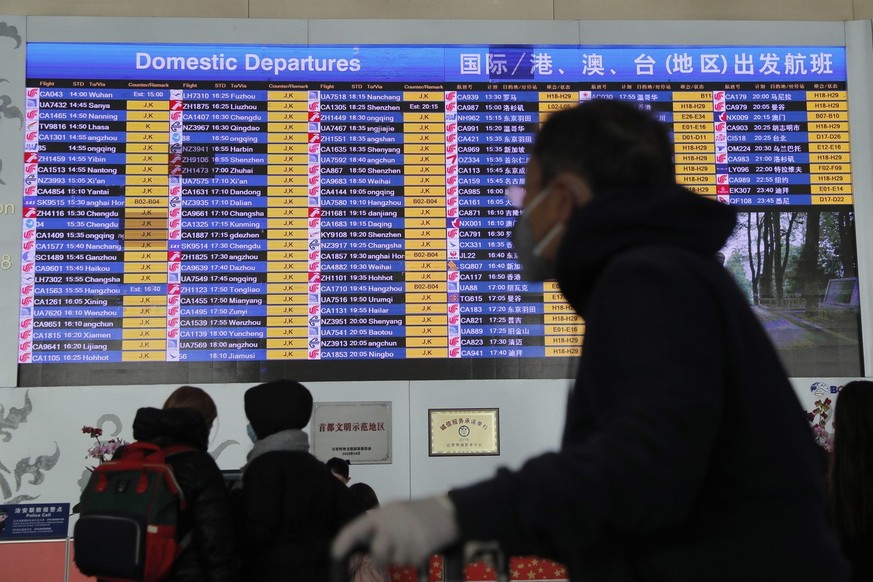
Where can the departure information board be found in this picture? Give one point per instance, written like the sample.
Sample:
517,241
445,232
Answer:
321,209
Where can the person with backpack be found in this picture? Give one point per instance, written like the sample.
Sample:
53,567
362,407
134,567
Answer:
291,506
186,419
159,510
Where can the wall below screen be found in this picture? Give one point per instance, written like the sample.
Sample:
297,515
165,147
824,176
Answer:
45,451
42,444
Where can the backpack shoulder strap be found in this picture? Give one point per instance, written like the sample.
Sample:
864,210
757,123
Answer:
169,451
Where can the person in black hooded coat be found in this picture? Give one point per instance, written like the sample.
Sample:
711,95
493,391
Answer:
291,504
211,554
686,455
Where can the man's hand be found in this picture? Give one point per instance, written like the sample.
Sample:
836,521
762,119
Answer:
401,533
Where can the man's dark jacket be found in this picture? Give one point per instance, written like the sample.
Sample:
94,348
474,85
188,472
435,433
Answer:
211,555
291,509
686,455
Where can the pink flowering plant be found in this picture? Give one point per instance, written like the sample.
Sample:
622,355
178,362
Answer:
818,418
102,450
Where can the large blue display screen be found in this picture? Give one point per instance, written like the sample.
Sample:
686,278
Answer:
234,212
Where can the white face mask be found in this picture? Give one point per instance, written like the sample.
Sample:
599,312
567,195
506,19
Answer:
534,267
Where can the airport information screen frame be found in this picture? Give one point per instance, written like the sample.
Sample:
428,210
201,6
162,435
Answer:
238,212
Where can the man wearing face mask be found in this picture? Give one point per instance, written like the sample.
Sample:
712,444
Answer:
686,455
290,506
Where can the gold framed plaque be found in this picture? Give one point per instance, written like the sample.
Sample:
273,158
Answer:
457,432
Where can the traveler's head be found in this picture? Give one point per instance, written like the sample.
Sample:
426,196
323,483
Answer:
853,417
590,150
851,468
364,495
278,405
339,468
611,145
196,398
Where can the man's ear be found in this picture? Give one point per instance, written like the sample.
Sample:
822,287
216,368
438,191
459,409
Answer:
569,190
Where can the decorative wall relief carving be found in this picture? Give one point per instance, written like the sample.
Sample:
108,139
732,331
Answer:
7,107
30,466
9,31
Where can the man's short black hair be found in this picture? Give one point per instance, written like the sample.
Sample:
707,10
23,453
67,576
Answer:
612,144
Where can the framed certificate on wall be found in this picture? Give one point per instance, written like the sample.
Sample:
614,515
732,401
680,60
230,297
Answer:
455,432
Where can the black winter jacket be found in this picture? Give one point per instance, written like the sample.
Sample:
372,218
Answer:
686,455
211,556
291,509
